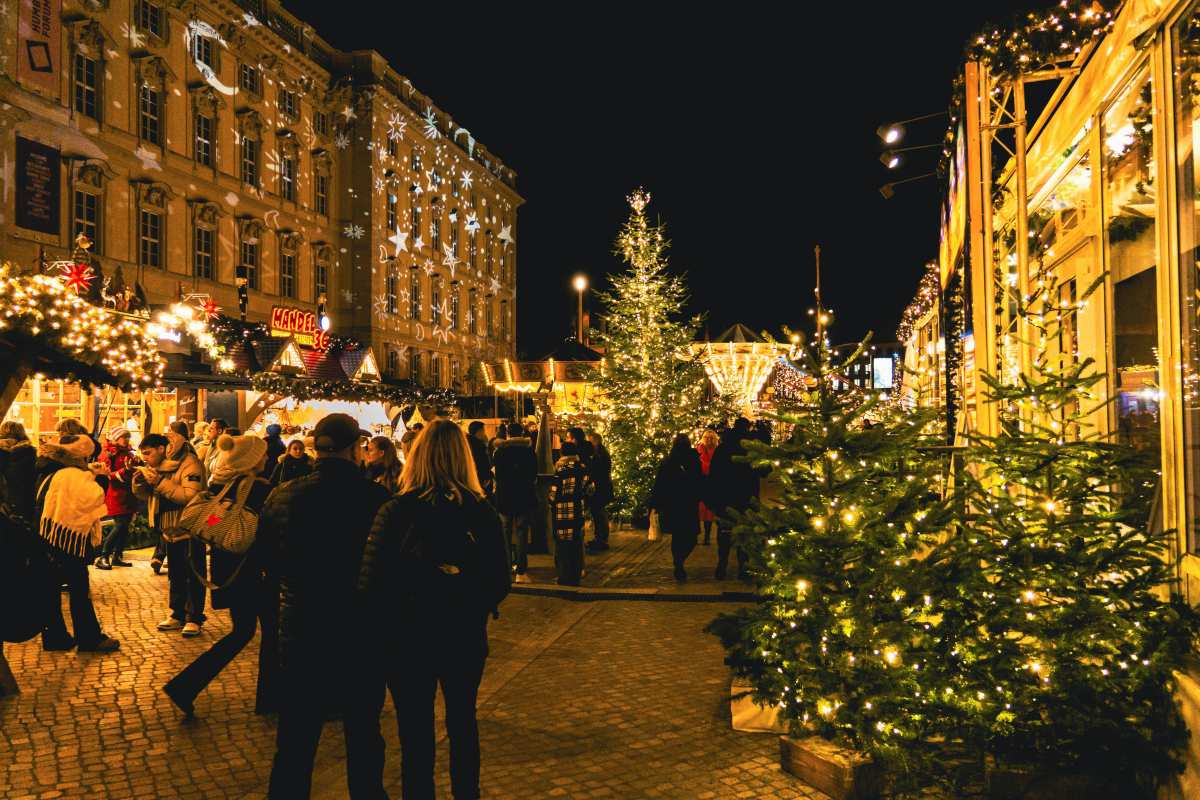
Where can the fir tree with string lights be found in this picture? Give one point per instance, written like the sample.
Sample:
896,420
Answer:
653,388
1059,621
838,640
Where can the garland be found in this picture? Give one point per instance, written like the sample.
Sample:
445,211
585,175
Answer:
928,292
229,332
351,391
41,309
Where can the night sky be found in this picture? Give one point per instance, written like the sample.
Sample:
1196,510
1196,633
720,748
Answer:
754,133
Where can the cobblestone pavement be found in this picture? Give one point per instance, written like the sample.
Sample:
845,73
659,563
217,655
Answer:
580,699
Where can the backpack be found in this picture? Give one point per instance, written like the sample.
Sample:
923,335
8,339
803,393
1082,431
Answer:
26,571
222,522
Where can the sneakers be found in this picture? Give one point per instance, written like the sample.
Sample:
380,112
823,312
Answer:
119,562
156,565
190,630
106,644
521,577
101,563
170,624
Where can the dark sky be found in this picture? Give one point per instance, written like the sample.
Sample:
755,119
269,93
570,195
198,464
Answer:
754,133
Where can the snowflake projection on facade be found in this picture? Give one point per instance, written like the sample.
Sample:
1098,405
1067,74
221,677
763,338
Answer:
431,128
341,141
400,240
472,224
379,305
348,113
417,243
348,296
136,38
441,334
378,183
250,20
505,235
429,268
148,157
396,126
495,286
468,180
470,141
353,231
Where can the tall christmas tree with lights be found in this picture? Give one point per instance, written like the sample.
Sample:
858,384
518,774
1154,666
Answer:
840,638
1059,624
653,388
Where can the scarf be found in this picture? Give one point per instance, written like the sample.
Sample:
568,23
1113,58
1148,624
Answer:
72,510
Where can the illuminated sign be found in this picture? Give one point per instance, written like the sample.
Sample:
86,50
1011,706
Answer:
289,321
882,373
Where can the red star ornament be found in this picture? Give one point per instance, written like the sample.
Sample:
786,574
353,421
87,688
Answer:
78,278
210,308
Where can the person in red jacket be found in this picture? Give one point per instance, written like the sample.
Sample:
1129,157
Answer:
120,460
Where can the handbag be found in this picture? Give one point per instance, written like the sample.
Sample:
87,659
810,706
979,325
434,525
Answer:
654,530
220,521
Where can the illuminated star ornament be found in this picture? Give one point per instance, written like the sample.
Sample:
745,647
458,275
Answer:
78,278
210,308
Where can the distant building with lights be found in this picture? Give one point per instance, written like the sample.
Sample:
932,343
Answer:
210,146
878,368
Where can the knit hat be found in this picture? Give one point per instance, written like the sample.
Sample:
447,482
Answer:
274,430
238,455
116,433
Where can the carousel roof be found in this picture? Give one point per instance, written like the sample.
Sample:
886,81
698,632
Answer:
572,350
738,334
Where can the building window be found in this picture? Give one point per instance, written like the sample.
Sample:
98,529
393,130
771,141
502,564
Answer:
487,308
250,263
414,220
320,122
454,188
435,229
435,301
454,237
437,181
287,178
472,326
392,221
149,114
150,238
150,18
203,257
453,308
321,279
393,306
414,367
393,361
86,86
504,320
250,161
473,250
87,218
454,373
248,78
289,104
204,140
435,370
321,193
202,51
393,146
414,295
414,164
287,274
488,253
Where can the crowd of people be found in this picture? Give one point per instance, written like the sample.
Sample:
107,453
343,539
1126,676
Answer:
429,537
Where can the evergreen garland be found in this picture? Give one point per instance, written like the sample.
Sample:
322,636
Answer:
351,391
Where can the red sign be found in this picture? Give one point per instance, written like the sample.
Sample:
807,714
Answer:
289,321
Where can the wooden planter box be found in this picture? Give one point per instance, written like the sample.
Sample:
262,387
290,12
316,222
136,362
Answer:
840,773
1013,784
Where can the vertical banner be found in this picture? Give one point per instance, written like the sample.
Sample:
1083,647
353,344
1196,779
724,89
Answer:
38,190
38,35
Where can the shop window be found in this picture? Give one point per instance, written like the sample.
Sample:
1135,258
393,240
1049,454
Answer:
1062,215
1131,192
149,114
205,254
414,295
87,86
204,140
42,404
87,217
150,232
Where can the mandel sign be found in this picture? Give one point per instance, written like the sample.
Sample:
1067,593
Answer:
290,321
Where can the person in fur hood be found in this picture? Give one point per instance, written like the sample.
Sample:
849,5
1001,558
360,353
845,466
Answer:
17,455
69,507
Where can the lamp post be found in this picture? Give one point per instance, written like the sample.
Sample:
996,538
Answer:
581,284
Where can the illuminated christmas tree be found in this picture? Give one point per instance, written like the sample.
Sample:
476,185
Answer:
1060,628
653,387
840,638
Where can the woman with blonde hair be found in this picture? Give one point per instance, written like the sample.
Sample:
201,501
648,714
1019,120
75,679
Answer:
435,566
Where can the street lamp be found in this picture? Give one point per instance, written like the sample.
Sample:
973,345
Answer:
894,131
889,189
580,283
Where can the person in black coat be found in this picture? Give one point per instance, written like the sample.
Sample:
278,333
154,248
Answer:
321,522
436,566
732,486
516,494
477,439
17,457
600,471
676,498
245,584
295,463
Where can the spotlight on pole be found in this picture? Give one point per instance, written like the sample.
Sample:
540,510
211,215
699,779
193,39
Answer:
888,191
890,159
890,133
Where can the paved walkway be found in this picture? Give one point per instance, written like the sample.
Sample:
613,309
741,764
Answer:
621,699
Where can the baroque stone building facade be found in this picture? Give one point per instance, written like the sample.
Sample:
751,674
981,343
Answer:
204,144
